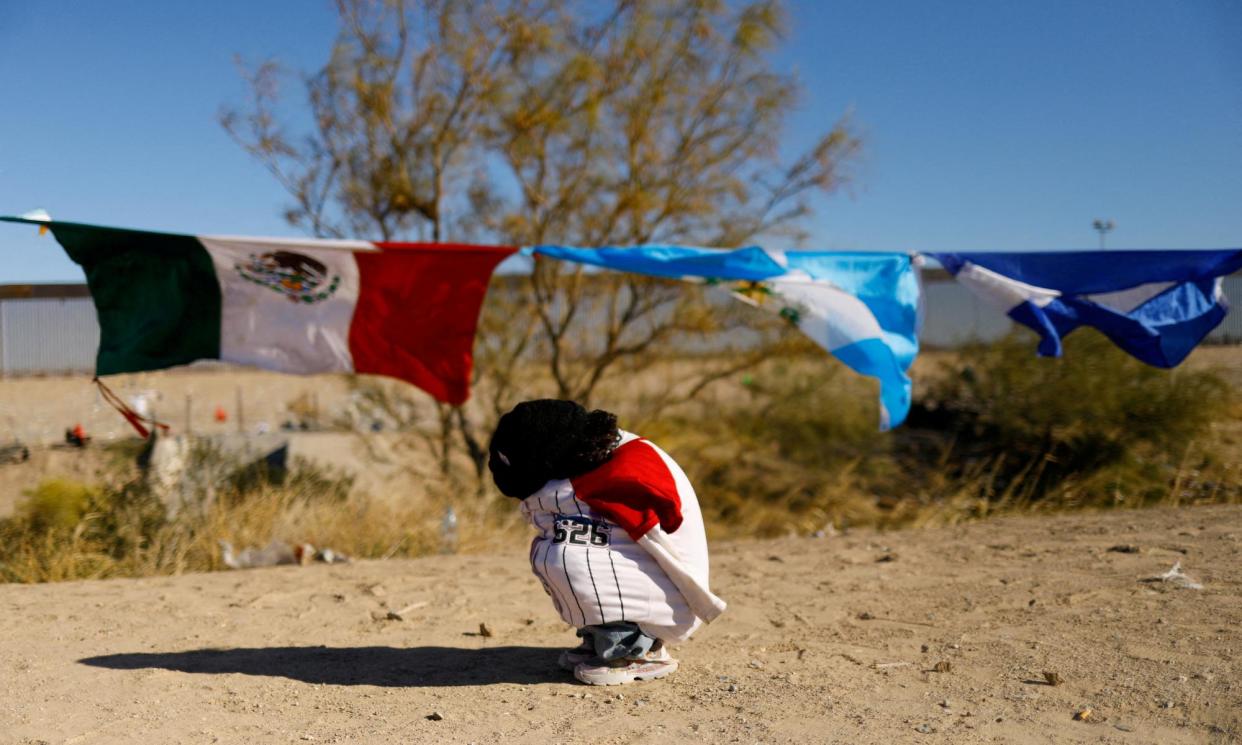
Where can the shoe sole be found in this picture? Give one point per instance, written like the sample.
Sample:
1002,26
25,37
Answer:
569,660
664,670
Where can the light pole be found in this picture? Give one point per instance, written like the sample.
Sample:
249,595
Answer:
1103,226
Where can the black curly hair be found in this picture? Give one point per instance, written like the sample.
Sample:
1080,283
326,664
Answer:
546,439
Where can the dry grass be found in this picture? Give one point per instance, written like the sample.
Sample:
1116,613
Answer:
790,447
993,430
65,530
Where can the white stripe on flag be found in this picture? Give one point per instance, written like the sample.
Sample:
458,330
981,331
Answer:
286,325
1125,301
1002,291
829,315
311,244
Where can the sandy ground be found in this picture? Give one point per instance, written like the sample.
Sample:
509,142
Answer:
827,640
38,410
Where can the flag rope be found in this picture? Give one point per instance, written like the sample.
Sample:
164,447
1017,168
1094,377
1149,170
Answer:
135,419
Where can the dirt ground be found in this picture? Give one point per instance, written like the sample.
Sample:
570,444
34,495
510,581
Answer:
834,639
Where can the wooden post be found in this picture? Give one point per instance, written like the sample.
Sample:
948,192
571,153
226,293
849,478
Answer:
241,415
189,399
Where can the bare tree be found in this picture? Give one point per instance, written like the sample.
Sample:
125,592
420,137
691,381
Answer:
656,123
546,121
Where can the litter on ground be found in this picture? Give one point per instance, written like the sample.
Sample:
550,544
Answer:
1176,577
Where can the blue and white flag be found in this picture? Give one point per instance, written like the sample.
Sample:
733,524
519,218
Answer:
1156,305
861,307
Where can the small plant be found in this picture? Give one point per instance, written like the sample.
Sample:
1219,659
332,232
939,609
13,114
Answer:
56,505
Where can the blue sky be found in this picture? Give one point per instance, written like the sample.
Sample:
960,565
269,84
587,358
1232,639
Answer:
989,125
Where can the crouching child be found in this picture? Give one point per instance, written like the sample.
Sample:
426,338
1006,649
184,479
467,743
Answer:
621,549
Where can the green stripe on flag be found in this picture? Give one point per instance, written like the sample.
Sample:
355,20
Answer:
156,294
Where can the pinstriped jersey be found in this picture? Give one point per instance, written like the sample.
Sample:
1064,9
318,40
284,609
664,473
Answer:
596,573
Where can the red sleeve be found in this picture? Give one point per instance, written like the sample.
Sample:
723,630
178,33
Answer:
634,489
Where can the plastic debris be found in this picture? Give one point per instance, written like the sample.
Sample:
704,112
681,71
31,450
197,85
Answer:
448,531
1176,577
277,553
77,436
14,453
399,615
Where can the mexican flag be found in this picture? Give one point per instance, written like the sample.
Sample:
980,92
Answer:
405,310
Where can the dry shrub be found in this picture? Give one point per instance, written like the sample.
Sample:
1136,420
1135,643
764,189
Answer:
792,452
1096,427
994,429
65,530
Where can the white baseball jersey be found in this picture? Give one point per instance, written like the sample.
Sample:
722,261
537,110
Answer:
596,573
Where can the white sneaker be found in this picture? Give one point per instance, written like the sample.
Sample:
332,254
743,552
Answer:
571,658
654,664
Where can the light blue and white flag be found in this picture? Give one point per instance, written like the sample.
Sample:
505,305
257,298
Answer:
1156,305
861,307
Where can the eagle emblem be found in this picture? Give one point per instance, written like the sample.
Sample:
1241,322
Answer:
296,276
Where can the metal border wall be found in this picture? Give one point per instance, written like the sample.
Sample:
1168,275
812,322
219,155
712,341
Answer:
46,329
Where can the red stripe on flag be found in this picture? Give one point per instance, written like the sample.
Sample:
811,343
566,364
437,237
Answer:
417,312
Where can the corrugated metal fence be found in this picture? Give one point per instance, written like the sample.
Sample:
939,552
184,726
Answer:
1230,330
47,335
